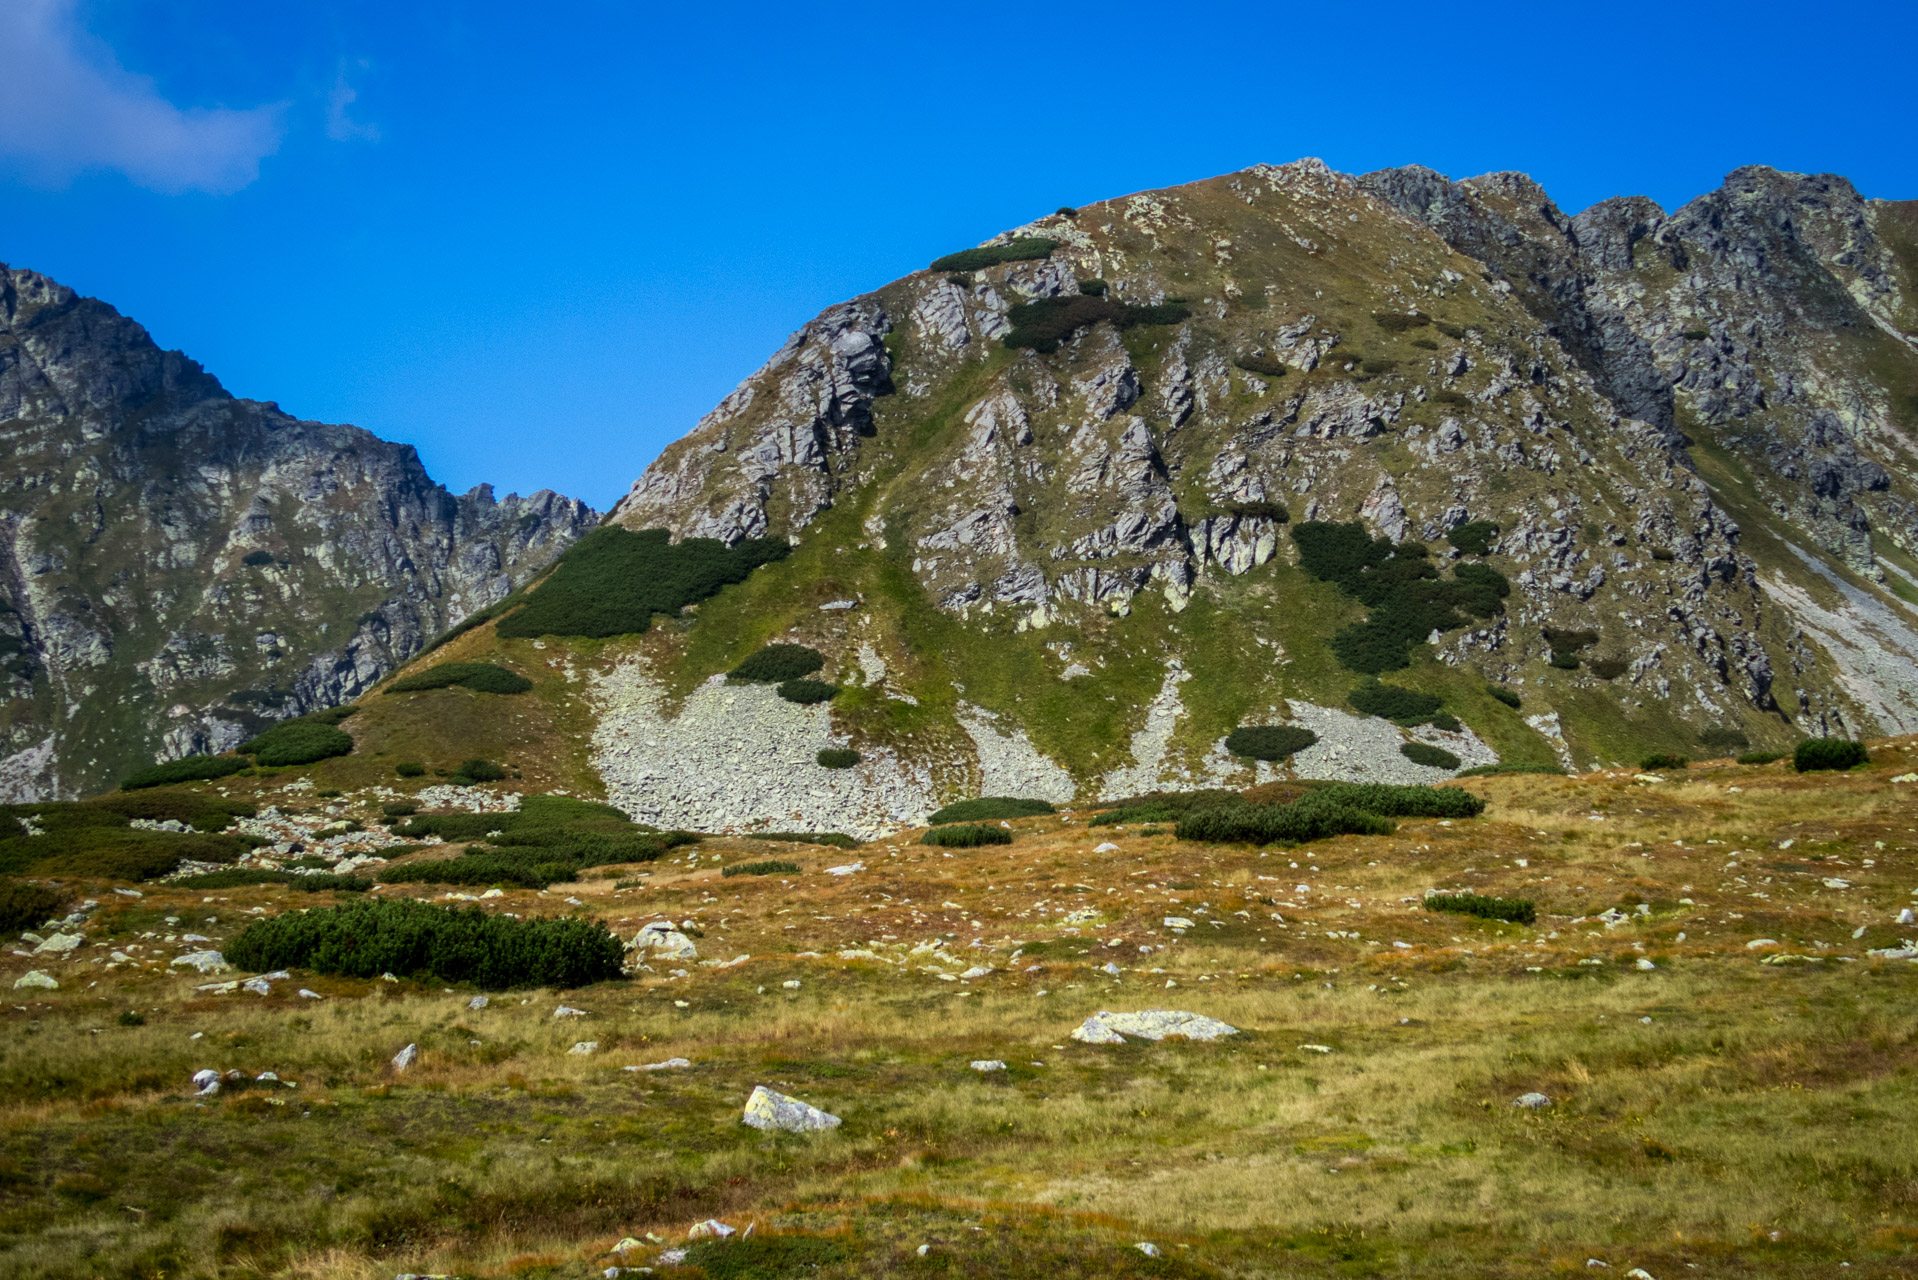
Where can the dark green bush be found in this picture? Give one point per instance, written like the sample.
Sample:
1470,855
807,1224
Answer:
415,939
1663,760
778,663
966,837
837,758
1163,806
1518,766
1400,586
1394,702
1067,211
200,811
481,677
1264,366
410,769
1044,323
1515,910
1272,511
1475,537
547,840
1024,249
1828,753
835,839
1449,330
301,741
770,867
28,906
1426,754
1664,553
1695,335
476,770
1393,322
90,841
1508,696
1093,288
612,581
1378,364
1724,738
1457,399
132,1018
1337,809
257,559
240,877
1269,741
400,808
807,692
1608,668
1761,757
189,769
1445,720
991,808
1563,660
1566,641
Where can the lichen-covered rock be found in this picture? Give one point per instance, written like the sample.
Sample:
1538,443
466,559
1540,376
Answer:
1150,1024
769,1110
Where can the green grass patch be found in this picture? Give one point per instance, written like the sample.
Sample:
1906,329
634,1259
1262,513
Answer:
1508,696
481,677
1517,766
1761,757
966,836
1512,910
613,581
992,808
1023,249
415,939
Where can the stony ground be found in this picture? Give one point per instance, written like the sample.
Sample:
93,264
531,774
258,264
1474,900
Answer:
1716,1003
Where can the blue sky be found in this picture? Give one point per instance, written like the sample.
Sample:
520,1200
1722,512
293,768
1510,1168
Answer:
539,241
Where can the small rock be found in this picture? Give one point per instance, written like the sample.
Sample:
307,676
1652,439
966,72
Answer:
790,984
1150,1024
388,977
258,986
672,1257
203,961
984,1065
1316,1048
977,971
769,1110
406,1057
59,944
35,980
567,1011
206,1080
478,1002
1642,964
585,1047
1638,1273
310,995
846,870
1905,917
1146,1247
1532,1101
1756,943
664,942
1109,967
671,1064
626,1244
711,1229
1179,922
1107,847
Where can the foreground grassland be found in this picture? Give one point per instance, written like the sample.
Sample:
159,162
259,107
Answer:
1744,1106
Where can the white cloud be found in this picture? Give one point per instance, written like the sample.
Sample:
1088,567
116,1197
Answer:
338,126
67,106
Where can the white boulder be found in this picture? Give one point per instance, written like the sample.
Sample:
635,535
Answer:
1150,1024
203,961
35,980
406,1057
770,1110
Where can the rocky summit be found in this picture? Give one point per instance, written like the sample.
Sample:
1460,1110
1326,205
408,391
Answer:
179,568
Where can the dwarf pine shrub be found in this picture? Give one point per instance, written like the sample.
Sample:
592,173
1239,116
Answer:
241,877
1516,766
1475,537
837,758
477,770
614,580
410,769
836,839
966,837
1828,753
1426,754
1043,323
546,840
1514,910
1163,806
991,808
778,663
1406,597
1608,668
1508,696
1264,366
27,906
1023,249
1335,809
1724,738
1269,741
187,769
303,740
807,692
1663,760
416,939
481,677
1395,702
770,867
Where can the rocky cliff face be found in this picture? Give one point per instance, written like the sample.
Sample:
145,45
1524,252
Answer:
1693,432
178,567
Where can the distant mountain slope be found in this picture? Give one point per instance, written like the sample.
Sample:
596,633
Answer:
178,566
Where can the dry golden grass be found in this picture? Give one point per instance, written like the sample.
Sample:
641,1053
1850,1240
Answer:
1713,1115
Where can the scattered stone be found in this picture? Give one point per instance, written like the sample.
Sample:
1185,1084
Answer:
59,944
977,971
1107,847
203,961
1150,1024
478,1002
671,1064
1146,1247
1532,1101
310,995
585,1047
567,1011
406,1057
1316,1048
790,984
983,1065
35,980
207,1081
1109,967
1643,964
627,1244
672,1257
711,1229
770,1110
1906,777
1905,917
258,986
1638,1273
1179,923
846,870
1756,943
664,942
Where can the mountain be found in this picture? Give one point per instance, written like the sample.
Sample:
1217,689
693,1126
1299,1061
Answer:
179,567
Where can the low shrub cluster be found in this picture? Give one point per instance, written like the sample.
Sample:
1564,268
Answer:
1508,696
28,906
1273,511
547,840
807,692
837,758
1264,366
770,867
240,877
1093,288
1515,766
1269,741
1163,806
1401,587
1426,754
836,839
1723,738
1828,753
410,769
991,808
1475,537
199,811
477,770
89,839
1513,910
1024,249
778,663
1044,323
1761,757
303,740
189,769
481,677
416,939
1663,760
1337,809
612,581
1394,322
970,836
1608,668
1396,703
